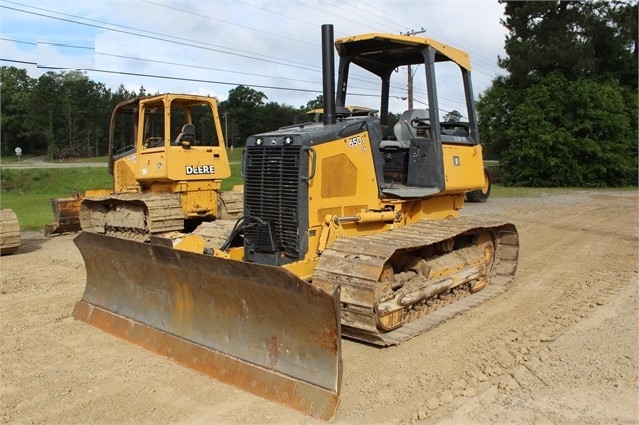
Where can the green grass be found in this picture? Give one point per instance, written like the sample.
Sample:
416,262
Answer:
14,159
29,191
94,159
235,155
498,191
235,178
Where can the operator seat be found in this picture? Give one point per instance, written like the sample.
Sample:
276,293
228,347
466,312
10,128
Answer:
187,135
403,130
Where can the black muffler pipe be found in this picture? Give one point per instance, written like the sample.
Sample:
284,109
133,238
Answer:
328,74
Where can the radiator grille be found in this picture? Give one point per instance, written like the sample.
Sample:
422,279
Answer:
271,178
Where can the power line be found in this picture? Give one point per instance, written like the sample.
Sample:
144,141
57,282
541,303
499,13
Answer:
186,42
261,31
156,36
205,81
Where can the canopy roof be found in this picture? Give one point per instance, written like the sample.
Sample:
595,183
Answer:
380,53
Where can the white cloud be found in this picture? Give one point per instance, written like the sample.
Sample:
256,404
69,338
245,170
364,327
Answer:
259,43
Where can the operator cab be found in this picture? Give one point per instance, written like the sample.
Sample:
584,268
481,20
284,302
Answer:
419,158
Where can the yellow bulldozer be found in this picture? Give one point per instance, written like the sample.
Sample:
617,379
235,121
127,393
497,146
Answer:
349,229
168,158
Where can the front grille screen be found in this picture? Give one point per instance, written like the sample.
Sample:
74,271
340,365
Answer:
271,178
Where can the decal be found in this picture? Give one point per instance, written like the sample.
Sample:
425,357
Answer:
200,169
356,141
456,161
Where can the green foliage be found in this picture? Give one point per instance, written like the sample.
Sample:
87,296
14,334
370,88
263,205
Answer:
452,116
63,114
248,113
236,177
316,103
567,114
553,143
594,39
16,85
66,115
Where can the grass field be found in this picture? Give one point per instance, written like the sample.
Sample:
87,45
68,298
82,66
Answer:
29,191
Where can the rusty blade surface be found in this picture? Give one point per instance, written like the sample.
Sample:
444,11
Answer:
256,327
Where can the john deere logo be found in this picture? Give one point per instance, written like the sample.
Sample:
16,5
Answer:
199,169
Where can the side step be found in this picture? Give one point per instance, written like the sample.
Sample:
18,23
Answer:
255,327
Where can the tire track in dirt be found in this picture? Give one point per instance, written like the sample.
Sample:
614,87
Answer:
546,302
559,346
493,349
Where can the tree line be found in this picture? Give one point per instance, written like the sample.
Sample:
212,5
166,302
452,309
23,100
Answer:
66,114
564,113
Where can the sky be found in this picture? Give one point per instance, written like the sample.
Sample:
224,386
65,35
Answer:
210,47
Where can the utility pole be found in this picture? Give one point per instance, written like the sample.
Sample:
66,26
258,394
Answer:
226,130
409,84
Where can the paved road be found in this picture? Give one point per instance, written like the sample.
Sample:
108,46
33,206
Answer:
39,162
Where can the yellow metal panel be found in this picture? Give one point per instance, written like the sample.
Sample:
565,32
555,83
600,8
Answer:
441,207
463,167
97,192
198,163
328,211
340,177
152,165
354,209
124,173
199,203
352,184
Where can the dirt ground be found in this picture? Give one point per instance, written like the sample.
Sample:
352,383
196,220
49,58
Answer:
560,346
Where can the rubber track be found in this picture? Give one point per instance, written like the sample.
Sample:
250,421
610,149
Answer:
356,264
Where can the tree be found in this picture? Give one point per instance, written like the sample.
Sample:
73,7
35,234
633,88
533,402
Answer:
595,39
452,116
555,144
566,113
15,85
45,116
244,107
85,120
316,103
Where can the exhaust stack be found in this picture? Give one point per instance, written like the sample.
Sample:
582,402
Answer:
328,74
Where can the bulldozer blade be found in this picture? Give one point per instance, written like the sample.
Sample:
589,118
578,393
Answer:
259,328
66,216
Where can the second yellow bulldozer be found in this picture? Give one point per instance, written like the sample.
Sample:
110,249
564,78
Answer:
168,158
349,228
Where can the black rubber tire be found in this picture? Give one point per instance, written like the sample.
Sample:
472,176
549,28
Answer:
481,195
